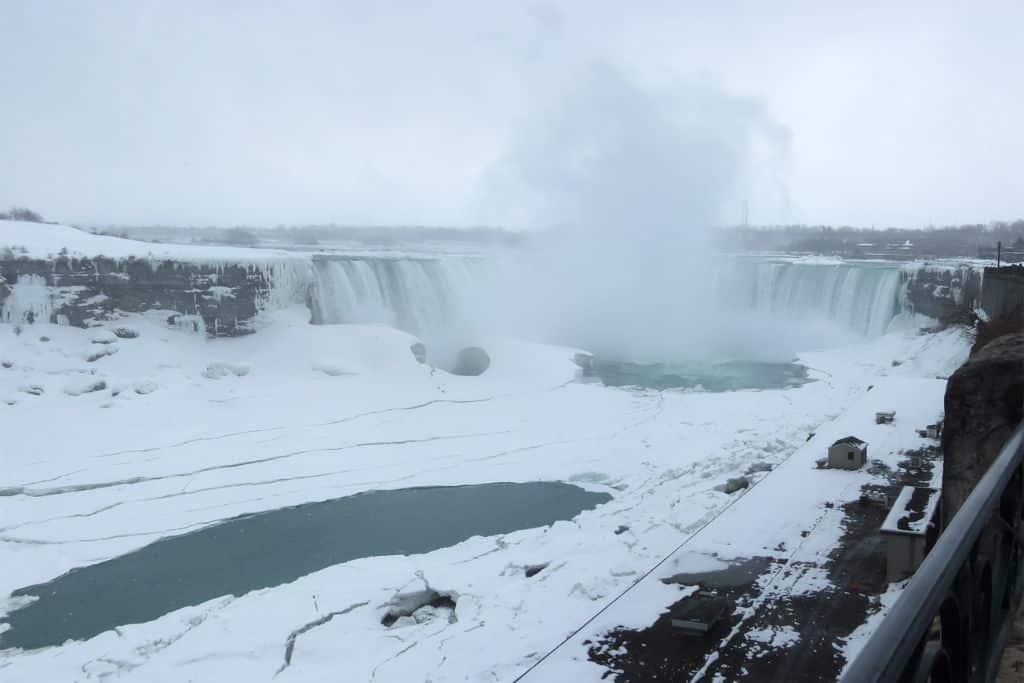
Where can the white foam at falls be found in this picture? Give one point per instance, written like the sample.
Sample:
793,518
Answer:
860,297
28,301
419,295
435,295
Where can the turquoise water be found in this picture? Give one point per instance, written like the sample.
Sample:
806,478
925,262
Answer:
727,376
271,548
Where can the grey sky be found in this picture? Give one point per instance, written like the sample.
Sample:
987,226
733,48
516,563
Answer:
401,112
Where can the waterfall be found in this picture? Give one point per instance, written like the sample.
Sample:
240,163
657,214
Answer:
439,295
419,295
862,297
29,301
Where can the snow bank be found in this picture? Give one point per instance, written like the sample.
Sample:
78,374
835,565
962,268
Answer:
46,241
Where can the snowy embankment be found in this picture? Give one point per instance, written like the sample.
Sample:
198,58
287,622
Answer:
61,274
49,240
167,432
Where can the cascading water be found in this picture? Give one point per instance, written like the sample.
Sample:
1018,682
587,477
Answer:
430,296
861,297
419,295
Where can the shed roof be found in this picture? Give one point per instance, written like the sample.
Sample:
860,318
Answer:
851,440
913,510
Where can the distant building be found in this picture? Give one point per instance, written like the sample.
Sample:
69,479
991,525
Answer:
885,417
910,530
849,453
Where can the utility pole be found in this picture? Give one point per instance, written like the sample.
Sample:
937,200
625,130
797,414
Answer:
999,254
746,214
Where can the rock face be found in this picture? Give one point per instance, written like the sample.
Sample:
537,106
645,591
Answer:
984,403
81,291
1003,294
419,352
948,295
472,361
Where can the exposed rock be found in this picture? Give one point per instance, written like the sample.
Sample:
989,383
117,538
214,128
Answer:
759,467
125,333
33,389
984,402
83,291
419,352
585,361
532,570
948,295
1002,295
44,338
190,324
419,606
472,361
734,485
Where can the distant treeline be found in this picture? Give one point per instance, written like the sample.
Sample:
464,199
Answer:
944,242
20,213
901,243
313,235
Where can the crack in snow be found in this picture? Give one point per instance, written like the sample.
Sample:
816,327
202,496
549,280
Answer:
77,488
263,430
289,647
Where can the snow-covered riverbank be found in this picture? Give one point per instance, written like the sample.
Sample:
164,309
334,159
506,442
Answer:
188,431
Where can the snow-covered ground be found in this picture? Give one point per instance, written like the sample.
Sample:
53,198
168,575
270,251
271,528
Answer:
186,431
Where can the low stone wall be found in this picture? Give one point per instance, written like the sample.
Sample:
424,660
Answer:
83,291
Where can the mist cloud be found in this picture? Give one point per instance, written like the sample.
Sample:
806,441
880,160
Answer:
632,178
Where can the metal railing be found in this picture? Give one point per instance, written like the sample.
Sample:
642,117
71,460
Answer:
953,619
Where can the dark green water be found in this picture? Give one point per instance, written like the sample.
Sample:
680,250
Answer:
729,376
275,547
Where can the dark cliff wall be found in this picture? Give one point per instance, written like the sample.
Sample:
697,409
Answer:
86,290
984,402
1003,294
948,295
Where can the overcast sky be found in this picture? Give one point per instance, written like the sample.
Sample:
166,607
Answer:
407,112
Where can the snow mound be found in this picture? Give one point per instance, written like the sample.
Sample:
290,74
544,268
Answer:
145,386
333,369
87,386
222,369
102,336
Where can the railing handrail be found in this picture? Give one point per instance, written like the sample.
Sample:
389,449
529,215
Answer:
893,644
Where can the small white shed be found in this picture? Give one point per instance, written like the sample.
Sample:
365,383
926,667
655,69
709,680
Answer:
848,453
909,530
